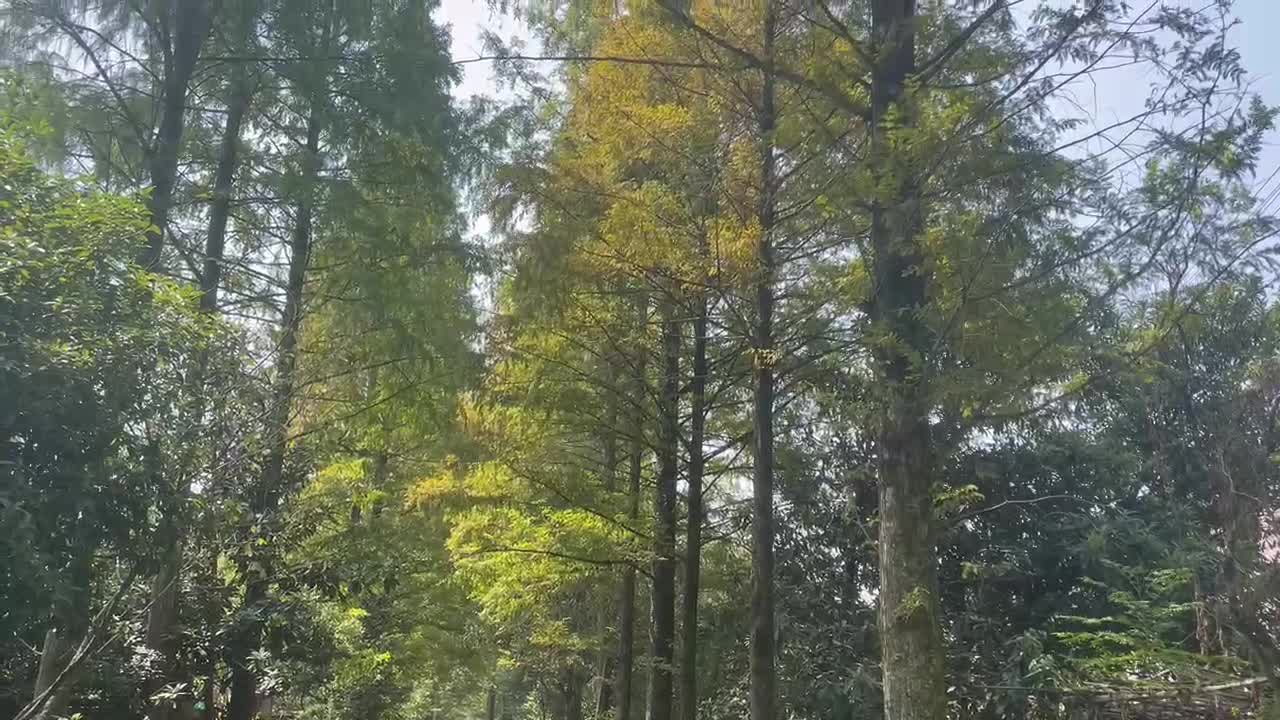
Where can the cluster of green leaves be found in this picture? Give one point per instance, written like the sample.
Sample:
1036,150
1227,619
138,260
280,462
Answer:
92,369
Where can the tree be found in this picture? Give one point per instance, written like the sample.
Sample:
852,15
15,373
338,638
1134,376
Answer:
94,381
892,381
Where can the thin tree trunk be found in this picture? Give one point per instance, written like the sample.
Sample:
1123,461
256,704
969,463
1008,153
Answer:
211,272
762,669
190,22
491,704
664,536
604,698
248,639
223,180
609,472
693,529
625,672
913,662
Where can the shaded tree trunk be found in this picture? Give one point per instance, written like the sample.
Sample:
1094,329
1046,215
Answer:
693,528
913,662
163,614
189,20
609,460
762,669
53,658
661,684
223,181
625,671
266,496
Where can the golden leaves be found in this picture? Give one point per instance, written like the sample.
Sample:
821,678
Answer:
630,113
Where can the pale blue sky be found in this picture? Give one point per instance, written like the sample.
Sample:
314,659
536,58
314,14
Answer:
1113,96
1258,42
1258,38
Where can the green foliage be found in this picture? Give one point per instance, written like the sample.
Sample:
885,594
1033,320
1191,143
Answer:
472,432
92,369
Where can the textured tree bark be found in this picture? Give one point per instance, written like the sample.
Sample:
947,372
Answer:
247,639
910,628
913,661
190,22
762,669
693,528
661,686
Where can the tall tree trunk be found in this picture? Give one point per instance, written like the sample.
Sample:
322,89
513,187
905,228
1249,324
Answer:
267,495
763,673
664,534
625,671
223,180
189,20
693,529
913,662
491,704
609,472
163,613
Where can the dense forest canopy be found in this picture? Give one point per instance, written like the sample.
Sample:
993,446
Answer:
820,360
